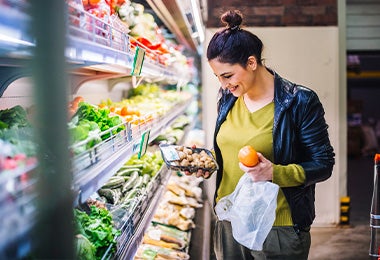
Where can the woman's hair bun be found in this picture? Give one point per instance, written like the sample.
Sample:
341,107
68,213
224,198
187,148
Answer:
232,19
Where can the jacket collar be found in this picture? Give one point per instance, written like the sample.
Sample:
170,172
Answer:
283,90
283,96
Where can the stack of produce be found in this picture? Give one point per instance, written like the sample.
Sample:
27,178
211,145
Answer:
17,147
180,200
123,192
167,237
91,125
147,35
95,232
128,17
163,242
145,103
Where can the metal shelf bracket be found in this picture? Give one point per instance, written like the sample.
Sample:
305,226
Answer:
10,74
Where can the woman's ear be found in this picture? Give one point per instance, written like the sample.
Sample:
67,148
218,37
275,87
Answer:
252,63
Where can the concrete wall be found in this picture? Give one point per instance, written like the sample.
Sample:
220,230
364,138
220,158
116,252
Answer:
309,56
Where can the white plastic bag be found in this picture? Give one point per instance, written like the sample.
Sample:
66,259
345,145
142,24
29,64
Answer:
251,209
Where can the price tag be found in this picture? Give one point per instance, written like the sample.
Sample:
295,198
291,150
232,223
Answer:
170,153
144,143
138,62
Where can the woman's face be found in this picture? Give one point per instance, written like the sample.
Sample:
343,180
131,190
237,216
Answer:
233,76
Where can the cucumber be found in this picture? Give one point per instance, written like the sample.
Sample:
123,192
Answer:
127,172
117,196
129,166
108,194
129,198
130,183
146,179
139,182
114,182
131,194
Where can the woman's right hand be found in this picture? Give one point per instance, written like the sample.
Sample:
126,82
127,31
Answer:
263,171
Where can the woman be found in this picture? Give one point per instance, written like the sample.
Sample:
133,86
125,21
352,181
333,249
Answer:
285,123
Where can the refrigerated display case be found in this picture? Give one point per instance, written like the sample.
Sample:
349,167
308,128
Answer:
96,49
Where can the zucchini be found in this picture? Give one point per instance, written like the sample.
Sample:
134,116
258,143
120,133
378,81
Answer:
139,182
131,181
114,182
129,166
117,196
146,179
127,172
108,194
131,194
129,198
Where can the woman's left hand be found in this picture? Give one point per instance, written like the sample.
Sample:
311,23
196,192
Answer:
263,171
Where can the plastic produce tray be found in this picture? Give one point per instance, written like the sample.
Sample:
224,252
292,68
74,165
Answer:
172,158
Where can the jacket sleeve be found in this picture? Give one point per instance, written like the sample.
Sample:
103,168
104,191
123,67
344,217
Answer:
317,152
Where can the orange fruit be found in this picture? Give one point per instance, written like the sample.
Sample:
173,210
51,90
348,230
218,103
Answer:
248,156
93,2
124,111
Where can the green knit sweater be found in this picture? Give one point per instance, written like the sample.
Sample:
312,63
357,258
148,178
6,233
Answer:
245,128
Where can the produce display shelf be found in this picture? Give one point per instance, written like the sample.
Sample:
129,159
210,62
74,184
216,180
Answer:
101,47
94,40
94,167
14,39
134,215
163,122
128,247
91,42
18,209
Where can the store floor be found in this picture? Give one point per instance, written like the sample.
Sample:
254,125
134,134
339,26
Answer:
350,242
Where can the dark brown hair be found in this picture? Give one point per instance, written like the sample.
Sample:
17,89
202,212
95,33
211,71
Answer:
232,44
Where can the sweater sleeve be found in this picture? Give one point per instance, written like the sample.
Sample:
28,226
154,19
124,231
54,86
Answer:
288,175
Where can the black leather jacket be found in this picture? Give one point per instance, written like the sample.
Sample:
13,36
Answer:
299,136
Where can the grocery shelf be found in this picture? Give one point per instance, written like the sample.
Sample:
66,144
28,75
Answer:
14,39
129,245
95,50
92,44
93,168
18,204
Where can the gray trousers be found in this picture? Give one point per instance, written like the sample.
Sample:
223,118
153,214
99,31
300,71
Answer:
282,243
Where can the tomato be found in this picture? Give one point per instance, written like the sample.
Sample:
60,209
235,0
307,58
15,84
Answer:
248,156
78,99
